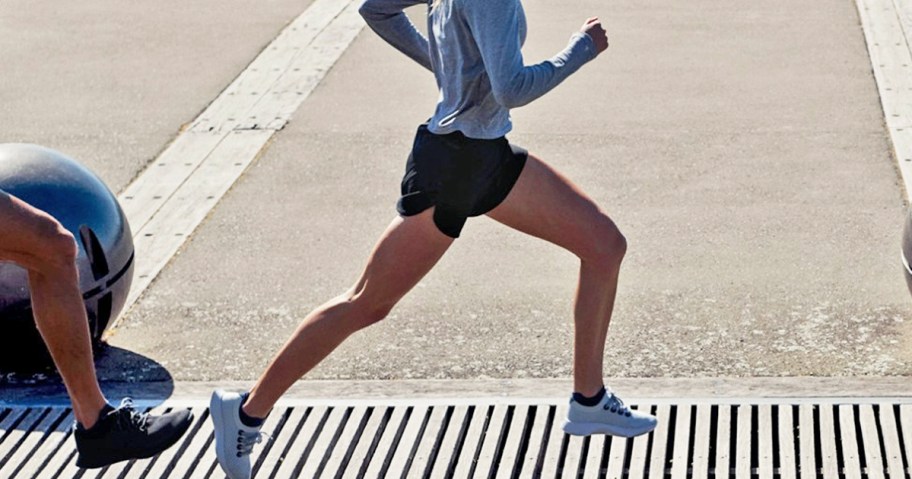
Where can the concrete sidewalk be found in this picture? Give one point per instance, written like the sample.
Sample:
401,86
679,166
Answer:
739,146
111,83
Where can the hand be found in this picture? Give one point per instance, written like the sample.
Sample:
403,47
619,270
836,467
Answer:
593,28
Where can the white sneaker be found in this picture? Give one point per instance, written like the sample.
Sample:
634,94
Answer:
610,416
233,440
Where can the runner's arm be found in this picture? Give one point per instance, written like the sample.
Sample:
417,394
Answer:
513,83
387,19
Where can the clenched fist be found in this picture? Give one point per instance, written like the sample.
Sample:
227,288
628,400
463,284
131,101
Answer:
593,28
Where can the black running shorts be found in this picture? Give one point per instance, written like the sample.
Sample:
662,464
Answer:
459,176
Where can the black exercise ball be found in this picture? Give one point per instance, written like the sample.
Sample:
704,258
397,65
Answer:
80,201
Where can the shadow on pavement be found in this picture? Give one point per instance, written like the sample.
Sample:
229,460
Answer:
122,373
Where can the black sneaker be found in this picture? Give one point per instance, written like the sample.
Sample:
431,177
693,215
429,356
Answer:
123,433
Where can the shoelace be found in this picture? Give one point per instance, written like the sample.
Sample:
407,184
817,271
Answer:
616,405
126,416
246,441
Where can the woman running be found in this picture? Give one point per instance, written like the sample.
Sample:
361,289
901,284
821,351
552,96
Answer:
461,165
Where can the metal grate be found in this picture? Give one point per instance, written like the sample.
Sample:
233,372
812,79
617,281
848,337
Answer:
495,440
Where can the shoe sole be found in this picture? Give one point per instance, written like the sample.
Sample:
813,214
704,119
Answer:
216,411
590,428
95,464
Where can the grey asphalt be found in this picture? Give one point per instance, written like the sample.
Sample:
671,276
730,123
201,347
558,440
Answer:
111,83
739,145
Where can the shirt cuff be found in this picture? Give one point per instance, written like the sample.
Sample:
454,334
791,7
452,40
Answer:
587,43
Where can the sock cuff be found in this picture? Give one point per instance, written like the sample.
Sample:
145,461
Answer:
590,400
246,420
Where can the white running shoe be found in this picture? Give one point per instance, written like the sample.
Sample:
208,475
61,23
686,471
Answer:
233,440
610,416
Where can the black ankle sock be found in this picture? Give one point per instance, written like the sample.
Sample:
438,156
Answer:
246,420
590,400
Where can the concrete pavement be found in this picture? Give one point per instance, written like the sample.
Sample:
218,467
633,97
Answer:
111,83
740,147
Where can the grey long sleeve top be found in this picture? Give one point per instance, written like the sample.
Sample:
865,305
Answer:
474,53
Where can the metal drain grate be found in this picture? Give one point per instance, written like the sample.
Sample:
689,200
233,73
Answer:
494,440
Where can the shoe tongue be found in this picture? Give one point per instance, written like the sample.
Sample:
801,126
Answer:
104,413
615,401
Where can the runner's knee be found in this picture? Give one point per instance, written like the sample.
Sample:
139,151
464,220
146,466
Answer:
608,245
54,246
369,310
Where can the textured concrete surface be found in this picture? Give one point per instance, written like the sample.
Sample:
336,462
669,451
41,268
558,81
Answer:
111,83
739,145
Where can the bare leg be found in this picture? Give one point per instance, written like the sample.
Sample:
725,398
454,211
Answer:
408,249
37,242
547,205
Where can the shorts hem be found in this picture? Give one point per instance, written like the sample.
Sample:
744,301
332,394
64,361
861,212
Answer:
509,182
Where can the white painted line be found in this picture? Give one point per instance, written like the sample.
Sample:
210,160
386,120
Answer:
186,464
701,443
410,437
871,438
593,459
537,436
51,443
386,443
165,233
679,464
299,447
849,442
449,447
806,450
13,437
638,450
173,196
888,33
489,446
616,459
302,53
743,442
765,441
470,446
723,446
359,461
660,443
827,438
335,467
787,460
146,195
512,443
421,460
905,421
571,458
323,445
890,437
